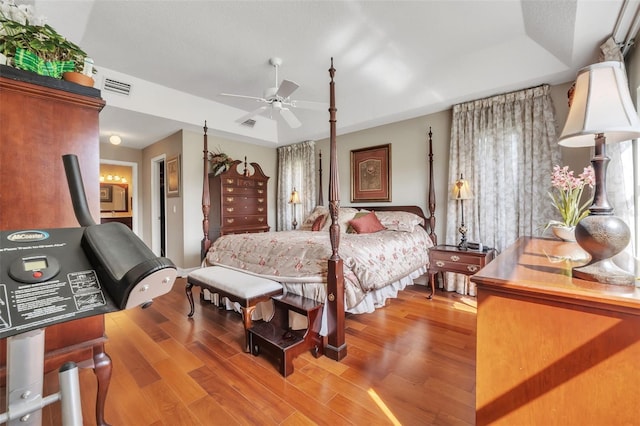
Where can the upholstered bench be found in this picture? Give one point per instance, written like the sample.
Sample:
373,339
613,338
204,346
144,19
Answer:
245,289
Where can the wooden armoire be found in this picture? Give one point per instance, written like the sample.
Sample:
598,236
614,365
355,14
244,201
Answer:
41,119
238,201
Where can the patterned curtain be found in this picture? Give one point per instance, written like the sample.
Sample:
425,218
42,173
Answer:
296,169
506,147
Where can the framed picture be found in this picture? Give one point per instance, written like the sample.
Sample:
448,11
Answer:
173,177
106,193
371,174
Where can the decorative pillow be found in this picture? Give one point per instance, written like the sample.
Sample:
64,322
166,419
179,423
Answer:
366,224
319,222
399,221
308,222
350,229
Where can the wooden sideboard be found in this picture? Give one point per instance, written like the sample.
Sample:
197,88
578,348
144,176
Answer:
551,349
238,201
41,119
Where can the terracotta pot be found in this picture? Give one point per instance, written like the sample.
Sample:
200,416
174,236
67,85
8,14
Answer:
78,78
565,233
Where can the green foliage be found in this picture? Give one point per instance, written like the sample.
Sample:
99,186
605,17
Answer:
44,41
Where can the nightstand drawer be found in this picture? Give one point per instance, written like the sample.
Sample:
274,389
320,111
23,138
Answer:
453,266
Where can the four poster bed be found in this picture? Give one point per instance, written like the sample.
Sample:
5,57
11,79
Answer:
347,271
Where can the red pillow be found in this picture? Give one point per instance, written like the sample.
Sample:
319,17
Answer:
319,222
367,224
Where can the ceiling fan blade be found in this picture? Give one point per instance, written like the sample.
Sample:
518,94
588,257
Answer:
245,97
320,106
251,114
290,118
286,88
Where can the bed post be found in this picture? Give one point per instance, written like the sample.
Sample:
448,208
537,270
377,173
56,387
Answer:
320,199
206,200
432,194
336,347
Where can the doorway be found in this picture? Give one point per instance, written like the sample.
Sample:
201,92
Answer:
158,207
123,173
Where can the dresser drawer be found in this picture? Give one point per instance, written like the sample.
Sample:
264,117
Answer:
236,190
242,220
239,204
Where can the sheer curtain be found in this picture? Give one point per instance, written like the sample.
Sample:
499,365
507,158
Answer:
506,147
296,169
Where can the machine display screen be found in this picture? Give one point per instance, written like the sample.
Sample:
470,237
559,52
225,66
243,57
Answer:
35,264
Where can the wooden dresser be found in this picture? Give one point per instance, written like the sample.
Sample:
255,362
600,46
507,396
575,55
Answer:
238,201
41,119
551,349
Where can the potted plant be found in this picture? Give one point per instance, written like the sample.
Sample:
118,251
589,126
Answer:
566,197
37,47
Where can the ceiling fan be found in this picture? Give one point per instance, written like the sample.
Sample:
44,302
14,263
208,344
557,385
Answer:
278,99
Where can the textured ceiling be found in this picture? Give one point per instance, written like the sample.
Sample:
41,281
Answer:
394,59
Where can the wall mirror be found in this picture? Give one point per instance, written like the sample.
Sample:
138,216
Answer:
114,197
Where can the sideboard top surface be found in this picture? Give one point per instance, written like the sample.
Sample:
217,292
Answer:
541,268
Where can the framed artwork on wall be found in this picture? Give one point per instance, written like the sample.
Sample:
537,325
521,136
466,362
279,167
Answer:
106,193
173,177
371,174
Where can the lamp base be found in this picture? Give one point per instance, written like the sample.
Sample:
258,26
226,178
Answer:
603,237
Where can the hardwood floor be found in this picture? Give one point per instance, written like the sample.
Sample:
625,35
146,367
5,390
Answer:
410,363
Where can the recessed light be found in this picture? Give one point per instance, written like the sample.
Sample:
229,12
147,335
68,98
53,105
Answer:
115,139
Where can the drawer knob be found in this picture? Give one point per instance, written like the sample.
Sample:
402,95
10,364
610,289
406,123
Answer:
439,263
455,258
260,183
230,220
260,191
229,189
230,209
261,200
472,268
260,209
261,219
230,181
230,199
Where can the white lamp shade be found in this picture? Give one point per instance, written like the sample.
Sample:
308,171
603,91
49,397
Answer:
461,190
295,197
601,104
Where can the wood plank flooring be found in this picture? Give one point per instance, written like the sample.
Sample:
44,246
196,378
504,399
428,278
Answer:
410,363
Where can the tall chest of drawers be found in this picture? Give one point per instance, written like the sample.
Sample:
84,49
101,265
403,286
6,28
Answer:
238,201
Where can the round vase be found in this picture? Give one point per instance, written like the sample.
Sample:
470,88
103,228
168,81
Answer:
565,233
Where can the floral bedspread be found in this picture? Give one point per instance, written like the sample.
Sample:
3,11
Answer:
371,261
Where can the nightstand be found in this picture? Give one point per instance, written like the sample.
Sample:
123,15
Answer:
445,258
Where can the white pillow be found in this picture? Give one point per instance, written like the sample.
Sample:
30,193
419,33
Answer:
399,221
345,214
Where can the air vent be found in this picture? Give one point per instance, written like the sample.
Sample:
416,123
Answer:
249,122
115,86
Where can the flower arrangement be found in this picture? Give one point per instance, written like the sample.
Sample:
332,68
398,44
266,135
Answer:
220,162
567,195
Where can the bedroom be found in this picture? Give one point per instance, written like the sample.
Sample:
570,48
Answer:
409,156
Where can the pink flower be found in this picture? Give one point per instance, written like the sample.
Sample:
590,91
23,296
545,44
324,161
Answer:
567,194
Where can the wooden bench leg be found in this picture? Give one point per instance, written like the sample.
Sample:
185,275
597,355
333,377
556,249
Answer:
189,290
247,312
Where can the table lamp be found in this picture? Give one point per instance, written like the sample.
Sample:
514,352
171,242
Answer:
460,192
601,112
293,200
